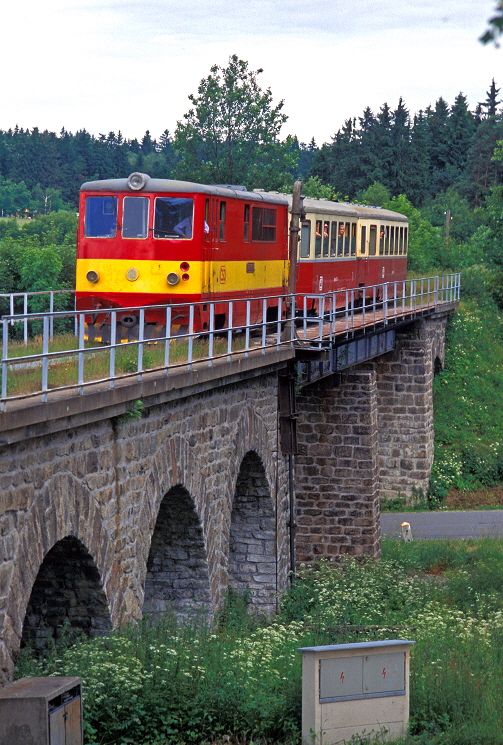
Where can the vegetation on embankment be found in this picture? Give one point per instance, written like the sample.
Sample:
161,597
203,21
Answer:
468,403
167,683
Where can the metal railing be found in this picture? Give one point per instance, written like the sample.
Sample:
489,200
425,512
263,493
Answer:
17,304
251,326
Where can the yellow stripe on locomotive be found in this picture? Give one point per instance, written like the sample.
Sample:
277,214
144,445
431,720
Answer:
136,276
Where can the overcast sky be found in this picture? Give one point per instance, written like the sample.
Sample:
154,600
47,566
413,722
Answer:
130,65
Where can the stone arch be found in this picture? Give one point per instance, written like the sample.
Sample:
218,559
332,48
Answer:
252,537
67,593
62,507
177,567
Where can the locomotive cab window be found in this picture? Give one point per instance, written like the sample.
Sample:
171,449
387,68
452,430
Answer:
135,217
305,240
246,231
101,217
221,220
173,217
263,224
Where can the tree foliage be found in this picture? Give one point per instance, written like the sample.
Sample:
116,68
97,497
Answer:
231,133
495,26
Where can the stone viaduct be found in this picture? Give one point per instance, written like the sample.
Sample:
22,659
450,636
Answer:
104,516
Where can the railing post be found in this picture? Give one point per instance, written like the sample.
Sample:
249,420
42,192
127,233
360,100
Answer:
385,303
264,323
280,314
81,355
45,358
190,342
247,329
5,364
229,331
51,311
211,334
25,321
168,338
141,338
113,342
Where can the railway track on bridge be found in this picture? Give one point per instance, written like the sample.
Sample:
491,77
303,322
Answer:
339,335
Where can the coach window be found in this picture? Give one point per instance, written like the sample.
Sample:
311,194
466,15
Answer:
333,240
246,232
353,239
405,237
317,239
101,217
363,240
382,232
373,240
173,217
305,240
221,220
340,241
392,241
386,241
135,217
347,238
326,237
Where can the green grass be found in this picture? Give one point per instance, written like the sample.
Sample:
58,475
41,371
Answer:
468,401
171,683
63,371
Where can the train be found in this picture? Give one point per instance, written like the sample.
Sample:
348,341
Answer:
151,242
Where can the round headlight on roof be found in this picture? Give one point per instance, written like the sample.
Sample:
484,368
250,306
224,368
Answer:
137,181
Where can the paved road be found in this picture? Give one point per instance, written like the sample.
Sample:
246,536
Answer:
462,524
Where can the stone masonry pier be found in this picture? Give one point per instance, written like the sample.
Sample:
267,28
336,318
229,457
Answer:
105,516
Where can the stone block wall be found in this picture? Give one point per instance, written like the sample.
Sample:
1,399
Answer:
336,471
103,484
405,408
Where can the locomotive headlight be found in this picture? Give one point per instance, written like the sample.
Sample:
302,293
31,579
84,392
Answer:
137,181
132,275
92,276
173,278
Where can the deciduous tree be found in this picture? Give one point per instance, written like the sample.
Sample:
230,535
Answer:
231,133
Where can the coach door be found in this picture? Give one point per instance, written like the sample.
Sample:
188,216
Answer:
362,254
210,245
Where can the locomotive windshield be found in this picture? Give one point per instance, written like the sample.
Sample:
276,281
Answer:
101,217
135,217
173,217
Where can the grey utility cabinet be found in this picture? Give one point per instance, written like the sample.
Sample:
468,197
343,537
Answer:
357,689
41,711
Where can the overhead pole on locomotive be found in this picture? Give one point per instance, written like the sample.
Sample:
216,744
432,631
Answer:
294,238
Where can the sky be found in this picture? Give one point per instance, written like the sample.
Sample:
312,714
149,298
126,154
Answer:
110,65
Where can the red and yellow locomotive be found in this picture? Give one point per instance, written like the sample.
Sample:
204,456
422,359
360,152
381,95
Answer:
148,242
